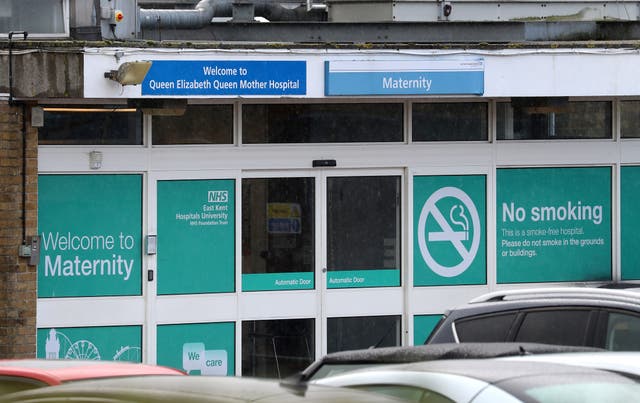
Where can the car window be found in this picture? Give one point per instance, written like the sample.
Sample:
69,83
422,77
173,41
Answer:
10,384
623,332
493,328
592,392
566,327
406,392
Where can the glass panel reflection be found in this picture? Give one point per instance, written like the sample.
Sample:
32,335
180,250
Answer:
200,124
363,332
630,119
321,123
99,126
460,121
277,348
553,118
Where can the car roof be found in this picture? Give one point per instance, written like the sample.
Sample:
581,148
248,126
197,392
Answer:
478,368
511,299
627,362
192,389
54,372
430,352
597,294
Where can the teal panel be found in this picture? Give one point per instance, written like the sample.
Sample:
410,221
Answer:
553,224
449,242
199,349
277,281
196,236
106,343
423,325
91,230
363,278
629,221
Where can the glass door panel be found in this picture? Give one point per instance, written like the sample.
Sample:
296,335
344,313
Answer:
278,233
363,231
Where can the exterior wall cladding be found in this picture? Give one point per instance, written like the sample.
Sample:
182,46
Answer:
18,216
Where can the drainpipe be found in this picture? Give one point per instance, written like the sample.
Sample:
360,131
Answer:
10,37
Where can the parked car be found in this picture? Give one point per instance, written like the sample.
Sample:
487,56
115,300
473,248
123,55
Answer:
339,362
192,389
16,375
606,318
492,380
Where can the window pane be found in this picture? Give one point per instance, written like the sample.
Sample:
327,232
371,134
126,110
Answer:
99,127
200,124
278,225
363,224
321,123
555,327
551,118
465,121
623,332
485,329
33,16
630,119
363,332
277,348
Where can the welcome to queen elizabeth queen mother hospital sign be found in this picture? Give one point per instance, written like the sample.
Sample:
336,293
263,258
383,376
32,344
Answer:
405,77
225,77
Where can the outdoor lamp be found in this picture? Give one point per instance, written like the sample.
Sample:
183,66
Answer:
129,73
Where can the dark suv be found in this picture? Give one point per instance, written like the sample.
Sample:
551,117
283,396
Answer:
577,316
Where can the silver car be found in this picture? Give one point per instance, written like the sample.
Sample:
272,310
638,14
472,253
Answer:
494,380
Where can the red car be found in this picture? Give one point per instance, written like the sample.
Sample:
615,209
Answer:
17,375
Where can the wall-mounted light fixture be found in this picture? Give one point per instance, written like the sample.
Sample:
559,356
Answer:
95,160
129,73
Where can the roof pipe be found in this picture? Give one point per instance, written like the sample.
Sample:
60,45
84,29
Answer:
205,10
200,16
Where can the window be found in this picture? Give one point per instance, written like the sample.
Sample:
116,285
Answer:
494,328
461,121
321,123
623,332
37,17
91,126
565,327
200,124
277,348
630,119
356,333
553,118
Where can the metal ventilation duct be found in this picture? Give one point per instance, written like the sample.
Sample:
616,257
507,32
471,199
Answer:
206,10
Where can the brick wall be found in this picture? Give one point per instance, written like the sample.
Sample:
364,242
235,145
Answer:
17,278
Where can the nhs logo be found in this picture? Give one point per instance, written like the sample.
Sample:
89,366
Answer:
218,196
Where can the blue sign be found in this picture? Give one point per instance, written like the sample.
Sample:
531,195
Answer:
225,77
404,77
